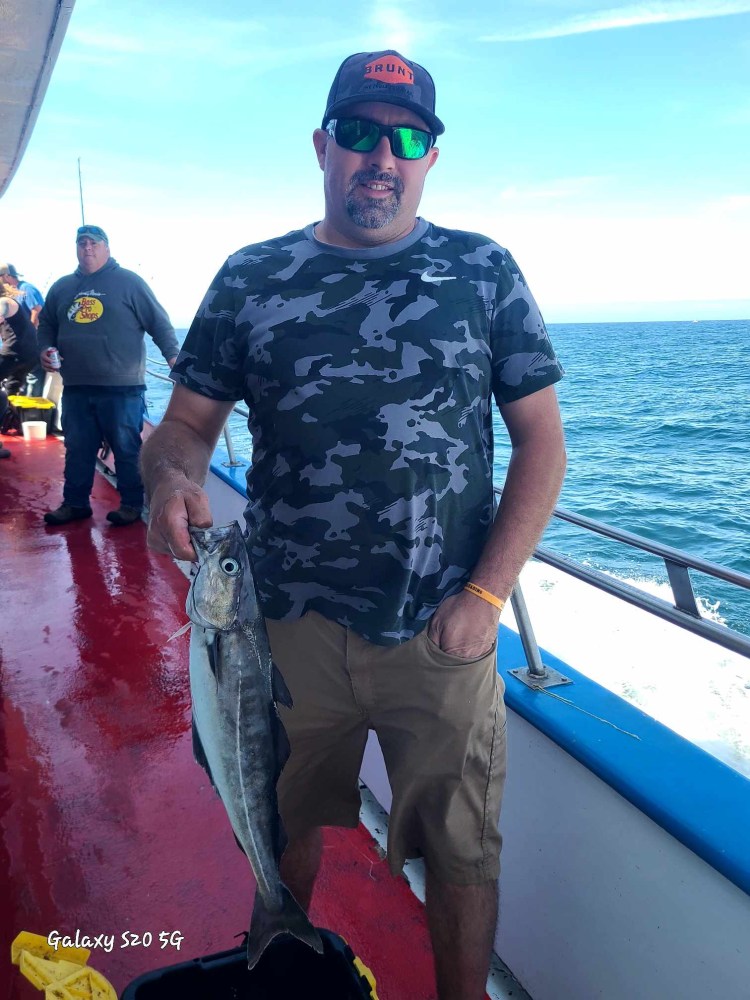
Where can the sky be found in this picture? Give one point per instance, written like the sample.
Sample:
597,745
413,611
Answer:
607,145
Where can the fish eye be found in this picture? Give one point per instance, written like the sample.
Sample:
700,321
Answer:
230,566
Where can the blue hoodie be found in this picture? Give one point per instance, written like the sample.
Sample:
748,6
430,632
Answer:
98,321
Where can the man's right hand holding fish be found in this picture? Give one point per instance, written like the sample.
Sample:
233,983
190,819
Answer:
175,473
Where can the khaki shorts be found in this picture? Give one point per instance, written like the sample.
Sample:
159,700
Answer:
440,721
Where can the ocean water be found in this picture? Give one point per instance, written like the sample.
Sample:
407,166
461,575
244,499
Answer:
657,422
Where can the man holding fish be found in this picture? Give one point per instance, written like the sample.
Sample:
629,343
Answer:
369,347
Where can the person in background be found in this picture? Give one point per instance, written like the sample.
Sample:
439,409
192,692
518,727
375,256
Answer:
32,301
96,318
19,351
30,298
369,348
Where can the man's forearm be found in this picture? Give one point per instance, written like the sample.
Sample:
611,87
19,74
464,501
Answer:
532,486
175,462
172,453
466,624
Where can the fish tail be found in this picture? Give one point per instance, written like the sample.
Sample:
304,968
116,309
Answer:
290,919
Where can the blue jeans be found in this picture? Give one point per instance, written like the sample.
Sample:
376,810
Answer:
87,419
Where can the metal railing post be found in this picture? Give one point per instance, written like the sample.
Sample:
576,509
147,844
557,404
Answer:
682,588
526,633
535,674
233,461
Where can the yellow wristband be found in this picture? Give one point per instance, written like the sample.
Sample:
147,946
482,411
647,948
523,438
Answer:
485,595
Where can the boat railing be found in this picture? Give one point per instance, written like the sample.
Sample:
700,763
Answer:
238,408
683,612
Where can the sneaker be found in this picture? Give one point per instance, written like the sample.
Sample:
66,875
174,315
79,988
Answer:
125,515
65,513
4,452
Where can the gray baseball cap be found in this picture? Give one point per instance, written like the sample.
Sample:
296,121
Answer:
93,233
387,77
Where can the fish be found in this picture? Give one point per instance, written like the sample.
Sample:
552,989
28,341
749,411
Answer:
238,736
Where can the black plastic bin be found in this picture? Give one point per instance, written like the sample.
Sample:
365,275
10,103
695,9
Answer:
288,970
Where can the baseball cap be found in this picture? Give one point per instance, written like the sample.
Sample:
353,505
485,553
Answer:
9,269
93,233
387,77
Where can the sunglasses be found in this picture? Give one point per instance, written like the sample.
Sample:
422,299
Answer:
362,136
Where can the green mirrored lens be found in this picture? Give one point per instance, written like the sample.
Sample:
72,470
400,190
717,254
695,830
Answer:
410,143
362,136
359,135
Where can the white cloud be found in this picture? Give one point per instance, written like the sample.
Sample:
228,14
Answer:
392,26
582,262
392,29
254,45
197,37
555,189
626,16
107,43
729,205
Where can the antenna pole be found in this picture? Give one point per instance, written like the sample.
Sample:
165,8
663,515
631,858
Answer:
80,191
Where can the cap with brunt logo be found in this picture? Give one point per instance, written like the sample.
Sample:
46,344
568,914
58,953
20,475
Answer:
386,77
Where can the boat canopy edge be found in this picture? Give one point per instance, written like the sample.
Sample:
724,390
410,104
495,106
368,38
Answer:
33,32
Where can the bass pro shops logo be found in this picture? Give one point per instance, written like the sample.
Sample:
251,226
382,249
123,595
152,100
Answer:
85,309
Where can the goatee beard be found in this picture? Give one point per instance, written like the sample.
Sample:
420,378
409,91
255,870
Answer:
373,213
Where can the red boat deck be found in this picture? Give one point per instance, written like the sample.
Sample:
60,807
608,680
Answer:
107,826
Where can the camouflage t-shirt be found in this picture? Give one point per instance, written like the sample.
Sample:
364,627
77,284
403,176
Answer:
369,375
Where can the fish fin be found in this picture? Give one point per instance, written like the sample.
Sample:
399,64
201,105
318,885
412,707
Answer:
180,631
290,919
200,754
281,693
213,652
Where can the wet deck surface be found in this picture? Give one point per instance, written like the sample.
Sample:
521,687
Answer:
107,826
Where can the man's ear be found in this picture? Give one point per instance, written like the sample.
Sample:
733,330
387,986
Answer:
320,140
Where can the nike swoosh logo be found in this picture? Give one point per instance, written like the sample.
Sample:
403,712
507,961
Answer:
435,278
